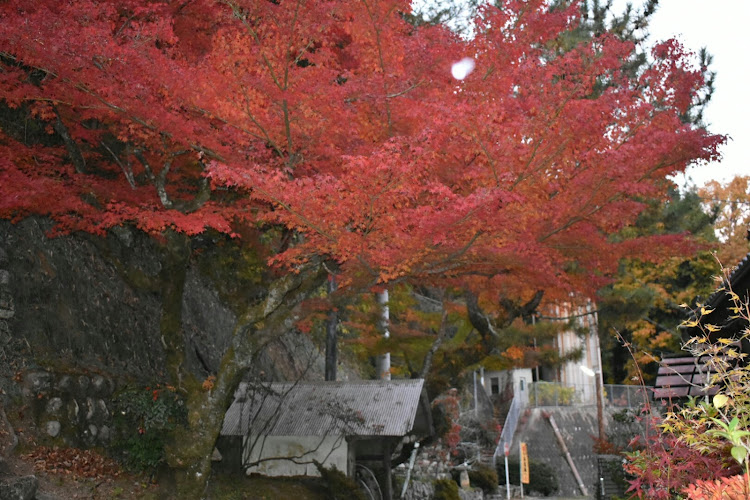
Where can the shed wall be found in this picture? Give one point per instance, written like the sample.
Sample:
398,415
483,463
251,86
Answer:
328,450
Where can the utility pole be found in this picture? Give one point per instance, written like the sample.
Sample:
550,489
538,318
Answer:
332,327
384,360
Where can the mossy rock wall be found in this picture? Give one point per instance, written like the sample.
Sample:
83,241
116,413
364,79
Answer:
73,409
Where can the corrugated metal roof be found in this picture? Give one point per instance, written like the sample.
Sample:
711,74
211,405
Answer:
363,408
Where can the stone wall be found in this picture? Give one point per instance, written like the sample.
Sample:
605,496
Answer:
578,427
70,409
70,308
65,306
73,329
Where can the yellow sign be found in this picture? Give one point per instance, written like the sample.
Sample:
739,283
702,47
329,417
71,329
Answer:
524,464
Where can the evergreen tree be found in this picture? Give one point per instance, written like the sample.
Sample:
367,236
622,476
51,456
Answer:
643,305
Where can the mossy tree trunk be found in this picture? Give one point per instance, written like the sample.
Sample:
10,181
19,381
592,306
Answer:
191,447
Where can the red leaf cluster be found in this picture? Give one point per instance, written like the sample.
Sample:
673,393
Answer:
663,465
340,121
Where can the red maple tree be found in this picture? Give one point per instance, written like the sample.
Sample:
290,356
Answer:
339,124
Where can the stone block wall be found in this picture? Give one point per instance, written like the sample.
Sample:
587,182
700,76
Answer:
71,409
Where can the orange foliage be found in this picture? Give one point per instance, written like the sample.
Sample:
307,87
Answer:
726,488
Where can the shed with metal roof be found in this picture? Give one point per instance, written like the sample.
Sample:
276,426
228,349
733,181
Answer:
283,426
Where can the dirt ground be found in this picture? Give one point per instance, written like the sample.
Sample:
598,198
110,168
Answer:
65,474
60,485
71,474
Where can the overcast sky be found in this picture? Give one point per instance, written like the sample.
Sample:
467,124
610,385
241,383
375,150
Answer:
722,27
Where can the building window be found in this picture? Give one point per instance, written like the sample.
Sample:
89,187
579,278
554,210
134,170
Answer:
494,385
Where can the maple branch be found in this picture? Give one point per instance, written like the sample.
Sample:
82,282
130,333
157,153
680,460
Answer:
124,25
306,222
453,257
79,162
289,46
409,89
381,60
126,169
298,459
165,201
614,197
582,216
288,131
136,119
160,180
478,318
489,157
237,11
548,126
442,333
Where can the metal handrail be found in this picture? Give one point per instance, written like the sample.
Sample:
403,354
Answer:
509,428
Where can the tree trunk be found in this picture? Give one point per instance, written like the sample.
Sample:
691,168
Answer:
331,334
190,449
427,365
189,455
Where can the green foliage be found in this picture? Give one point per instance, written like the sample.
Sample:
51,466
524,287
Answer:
484,477
642,304
143,419
542,477
257,487
551,394
446,489
338,484
724,420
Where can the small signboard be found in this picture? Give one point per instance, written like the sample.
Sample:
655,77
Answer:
524,464
507,448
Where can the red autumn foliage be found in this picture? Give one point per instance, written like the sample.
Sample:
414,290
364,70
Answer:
340,121
662,465
448,407
333,131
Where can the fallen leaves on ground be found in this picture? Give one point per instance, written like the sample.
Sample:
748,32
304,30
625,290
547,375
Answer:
74,462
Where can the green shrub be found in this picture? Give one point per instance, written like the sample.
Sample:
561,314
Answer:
542,477
446,489
338,484
484,477
551,394
143,420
